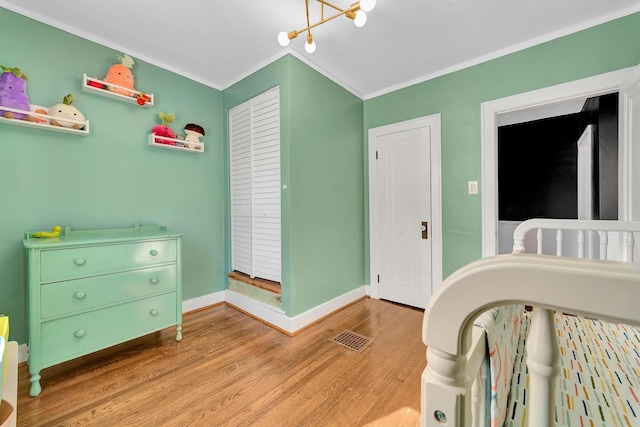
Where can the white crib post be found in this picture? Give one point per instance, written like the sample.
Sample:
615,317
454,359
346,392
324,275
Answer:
559,242
478,399
447,383
629,242
543,361
539,240
581,243
604,242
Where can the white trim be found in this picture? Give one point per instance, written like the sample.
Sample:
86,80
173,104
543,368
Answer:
277,317
318,312
629,88
507,51
584,88
203,301
369,291
23,353
434,123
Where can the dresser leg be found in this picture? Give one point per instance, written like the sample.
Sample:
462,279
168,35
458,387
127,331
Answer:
35,385
179,333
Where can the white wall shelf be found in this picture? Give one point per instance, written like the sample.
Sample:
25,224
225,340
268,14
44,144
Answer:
43,121
175,144
101,89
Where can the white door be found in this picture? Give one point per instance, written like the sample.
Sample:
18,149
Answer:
401,206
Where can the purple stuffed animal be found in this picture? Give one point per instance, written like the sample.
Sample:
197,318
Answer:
13,93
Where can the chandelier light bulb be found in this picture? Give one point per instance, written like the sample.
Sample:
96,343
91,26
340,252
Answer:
283,39
367,5
310,47
361,19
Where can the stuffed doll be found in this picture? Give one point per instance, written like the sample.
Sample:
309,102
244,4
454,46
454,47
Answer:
66,111
13,93
163,129
121,75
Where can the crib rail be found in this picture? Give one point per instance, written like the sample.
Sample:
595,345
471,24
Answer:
606,231
547,282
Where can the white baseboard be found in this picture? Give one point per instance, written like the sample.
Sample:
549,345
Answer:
203,301
371,291
316,313
277,318
23,353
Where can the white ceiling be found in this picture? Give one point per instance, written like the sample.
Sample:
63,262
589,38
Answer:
404,41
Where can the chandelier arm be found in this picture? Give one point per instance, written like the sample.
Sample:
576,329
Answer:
322,21
353,7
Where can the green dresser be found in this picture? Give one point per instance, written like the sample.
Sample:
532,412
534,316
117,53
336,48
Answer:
91,289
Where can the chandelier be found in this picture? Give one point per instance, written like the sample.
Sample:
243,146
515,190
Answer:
355,12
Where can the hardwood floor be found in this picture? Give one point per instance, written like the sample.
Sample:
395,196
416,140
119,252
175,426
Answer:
232,370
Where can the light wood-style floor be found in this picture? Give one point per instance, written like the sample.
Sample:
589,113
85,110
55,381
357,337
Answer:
232,370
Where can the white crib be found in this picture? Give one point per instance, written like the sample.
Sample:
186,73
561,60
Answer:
459,386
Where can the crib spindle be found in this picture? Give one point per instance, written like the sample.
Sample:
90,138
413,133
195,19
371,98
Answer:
543,361
628,249
539,240
604,242
580,243
559,242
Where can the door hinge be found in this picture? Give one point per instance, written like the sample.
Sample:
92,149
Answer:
378,278
376,155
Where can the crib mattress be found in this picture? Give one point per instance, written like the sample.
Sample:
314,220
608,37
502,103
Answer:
599,382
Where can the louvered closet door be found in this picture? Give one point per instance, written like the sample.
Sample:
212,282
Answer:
254,131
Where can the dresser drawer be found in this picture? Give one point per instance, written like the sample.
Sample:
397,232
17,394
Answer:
74,336
70,263
63,298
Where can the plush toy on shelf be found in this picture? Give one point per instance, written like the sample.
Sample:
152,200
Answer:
67,111
164,130
194,133
121,75
13,93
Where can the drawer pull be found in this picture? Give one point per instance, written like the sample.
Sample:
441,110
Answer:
80,261
79,295
153,312
79,333
153,280
153,252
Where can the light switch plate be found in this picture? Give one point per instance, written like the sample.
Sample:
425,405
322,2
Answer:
473,187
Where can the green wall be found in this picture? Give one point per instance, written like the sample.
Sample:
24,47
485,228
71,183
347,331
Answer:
111,177
322,166
457,96
327,186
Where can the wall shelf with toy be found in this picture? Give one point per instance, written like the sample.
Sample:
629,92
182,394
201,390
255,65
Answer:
104,88
163,136
16,109
175,143
118,84
39,118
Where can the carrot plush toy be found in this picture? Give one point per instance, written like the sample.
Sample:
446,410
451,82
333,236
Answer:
121,75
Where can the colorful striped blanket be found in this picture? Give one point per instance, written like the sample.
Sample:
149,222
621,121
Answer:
599,382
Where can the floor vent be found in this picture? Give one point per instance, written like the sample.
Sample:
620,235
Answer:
352,341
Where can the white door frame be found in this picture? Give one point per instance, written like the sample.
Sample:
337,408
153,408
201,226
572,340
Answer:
584,88
433,122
